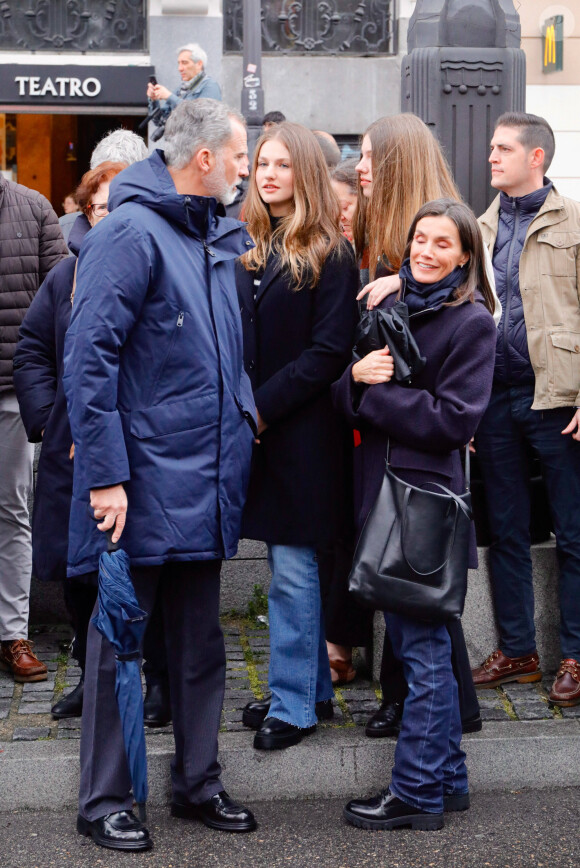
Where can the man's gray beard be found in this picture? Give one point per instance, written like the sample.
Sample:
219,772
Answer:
216,184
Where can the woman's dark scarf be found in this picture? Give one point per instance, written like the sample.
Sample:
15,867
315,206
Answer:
421,296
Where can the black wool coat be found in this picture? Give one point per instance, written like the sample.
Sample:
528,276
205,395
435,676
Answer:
428,422
296,343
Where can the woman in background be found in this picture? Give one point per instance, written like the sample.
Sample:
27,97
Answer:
345,183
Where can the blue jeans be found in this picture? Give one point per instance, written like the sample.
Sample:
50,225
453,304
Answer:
509,422
299,674
429,762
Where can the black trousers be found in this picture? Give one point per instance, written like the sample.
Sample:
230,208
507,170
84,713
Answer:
80,596
189,597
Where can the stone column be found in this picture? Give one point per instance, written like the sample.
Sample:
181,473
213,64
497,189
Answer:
464,68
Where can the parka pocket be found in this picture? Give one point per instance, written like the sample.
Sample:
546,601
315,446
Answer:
558,253
175,417
565,351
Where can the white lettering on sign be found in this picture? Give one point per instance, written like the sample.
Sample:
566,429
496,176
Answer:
91,87
48,87
251,81
75,87
31,86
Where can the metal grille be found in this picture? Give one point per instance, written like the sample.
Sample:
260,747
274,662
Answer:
73,25
311,27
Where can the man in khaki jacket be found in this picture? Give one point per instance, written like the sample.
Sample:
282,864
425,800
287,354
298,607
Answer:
533,236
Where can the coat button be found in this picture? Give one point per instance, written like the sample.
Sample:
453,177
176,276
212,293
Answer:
577,348
251,366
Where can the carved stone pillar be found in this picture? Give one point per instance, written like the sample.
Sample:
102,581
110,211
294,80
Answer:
464,68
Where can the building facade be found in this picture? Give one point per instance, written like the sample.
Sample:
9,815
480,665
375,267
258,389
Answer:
70,70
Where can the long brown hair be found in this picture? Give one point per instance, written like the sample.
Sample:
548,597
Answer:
310,233
471,243
409,169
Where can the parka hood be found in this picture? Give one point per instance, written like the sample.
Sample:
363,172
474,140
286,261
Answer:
149,183
77,233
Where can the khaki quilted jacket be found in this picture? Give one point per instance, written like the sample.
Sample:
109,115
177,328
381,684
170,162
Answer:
550,290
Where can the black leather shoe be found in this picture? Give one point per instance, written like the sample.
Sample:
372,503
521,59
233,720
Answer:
324,710
156,706
276,734
386,811
255,713
472,724
386,721
118,831
70,705
456,802
219,812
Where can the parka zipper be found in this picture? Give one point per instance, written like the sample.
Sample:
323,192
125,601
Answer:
178,325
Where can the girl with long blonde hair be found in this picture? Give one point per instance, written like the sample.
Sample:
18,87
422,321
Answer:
297,290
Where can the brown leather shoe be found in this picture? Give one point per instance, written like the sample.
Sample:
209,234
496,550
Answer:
17,657
341,672
499,669
566,688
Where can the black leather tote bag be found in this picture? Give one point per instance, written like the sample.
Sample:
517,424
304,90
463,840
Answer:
412,555
378,328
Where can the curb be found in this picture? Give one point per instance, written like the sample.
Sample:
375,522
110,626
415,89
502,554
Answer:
338,762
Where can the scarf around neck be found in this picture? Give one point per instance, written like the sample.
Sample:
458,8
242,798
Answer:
190,85
420,296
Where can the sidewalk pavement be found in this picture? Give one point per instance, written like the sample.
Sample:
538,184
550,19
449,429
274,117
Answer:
524,742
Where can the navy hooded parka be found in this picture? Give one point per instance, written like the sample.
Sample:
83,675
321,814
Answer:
157,395
38,363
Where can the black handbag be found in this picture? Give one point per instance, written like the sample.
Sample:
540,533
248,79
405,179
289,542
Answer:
412,555
378,328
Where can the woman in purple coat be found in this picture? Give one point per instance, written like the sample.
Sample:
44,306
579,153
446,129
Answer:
422,429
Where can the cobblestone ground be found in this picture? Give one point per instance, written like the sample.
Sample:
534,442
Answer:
25,708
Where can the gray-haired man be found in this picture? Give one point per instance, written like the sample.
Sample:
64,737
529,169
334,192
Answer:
195,84
158,403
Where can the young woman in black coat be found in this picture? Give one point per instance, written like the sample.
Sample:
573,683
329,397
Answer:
297,291
421,429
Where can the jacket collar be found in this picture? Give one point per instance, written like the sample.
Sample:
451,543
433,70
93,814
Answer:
529,204
273,267
551,212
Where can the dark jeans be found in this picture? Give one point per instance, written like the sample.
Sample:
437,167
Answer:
429,762
507,424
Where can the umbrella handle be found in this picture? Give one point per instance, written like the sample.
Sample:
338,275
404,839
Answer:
111,546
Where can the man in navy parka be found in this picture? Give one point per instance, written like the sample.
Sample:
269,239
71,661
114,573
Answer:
162,418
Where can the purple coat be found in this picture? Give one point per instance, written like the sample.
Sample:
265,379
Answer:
426,423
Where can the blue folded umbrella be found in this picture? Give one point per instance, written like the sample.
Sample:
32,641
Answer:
121,620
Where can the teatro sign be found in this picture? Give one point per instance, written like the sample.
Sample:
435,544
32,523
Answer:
49,86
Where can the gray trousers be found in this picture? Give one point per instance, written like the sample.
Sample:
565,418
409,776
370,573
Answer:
189,595
16,458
